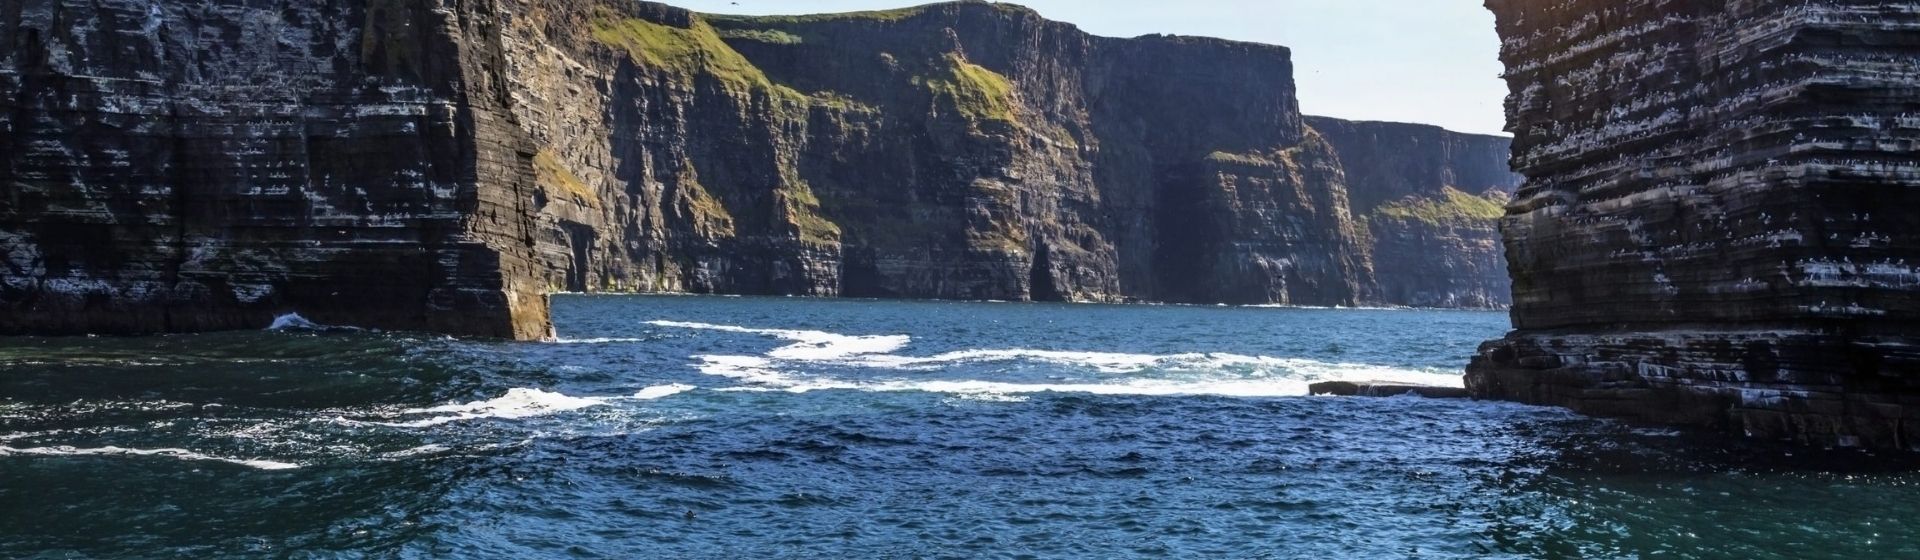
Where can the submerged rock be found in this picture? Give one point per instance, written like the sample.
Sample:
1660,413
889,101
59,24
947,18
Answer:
1367,389
439,165
1714,228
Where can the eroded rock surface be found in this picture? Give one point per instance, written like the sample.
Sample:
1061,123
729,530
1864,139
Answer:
1714,230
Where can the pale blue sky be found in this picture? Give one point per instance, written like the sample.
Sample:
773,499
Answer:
1425,61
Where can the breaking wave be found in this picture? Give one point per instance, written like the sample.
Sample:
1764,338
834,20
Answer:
295,322
1110,373
521,403
809,345
181,454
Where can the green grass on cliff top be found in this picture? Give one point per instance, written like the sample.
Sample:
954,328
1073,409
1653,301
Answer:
1452,207
870,15
772,36
685,52
979,93
892,15
689,52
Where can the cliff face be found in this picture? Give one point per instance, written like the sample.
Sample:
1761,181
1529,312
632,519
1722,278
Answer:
441,165
206,165
1430,201
1711,229
966,151
1388,162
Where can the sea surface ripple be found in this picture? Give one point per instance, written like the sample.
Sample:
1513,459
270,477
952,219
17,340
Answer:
694,427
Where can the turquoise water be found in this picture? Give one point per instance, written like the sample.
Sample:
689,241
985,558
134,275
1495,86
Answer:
680,427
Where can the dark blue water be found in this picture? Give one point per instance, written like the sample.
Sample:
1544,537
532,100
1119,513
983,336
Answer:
666,427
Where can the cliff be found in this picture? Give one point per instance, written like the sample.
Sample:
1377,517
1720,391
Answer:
963,150
442,165
1430,202
206,165
1711,229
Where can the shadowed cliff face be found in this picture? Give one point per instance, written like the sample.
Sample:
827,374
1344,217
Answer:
1430,202
1710,232
440,165
172,166
961,150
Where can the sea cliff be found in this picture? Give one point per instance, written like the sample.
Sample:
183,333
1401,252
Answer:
439,165
1430,201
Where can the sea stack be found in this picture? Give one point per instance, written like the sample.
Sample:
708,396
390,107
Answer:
1717,224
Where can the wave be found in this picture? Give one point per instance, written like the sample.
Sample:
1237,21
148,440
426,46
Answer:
295,322
1191,374
997,391
1329,308
521,403
662,391
1005,391
182,454
1187,375
808,345
600,340
1125,363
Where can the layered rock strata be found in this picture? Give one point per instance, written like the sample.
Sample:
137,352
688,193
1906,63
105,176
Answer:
204,165
441,165
1429,201
1712,231
963,151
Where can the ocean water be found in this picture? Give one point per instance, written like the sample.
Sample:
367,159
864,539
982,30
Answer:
684,427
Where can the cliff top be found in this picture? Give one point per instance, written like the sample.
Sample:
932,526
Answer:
1311,119
957,8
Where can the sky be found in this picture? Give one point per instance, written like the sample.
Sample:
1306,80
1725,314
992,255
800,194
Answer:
1425,61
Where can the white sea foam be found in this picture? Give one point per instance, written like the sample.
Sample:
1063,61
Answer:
428,449
809,345
1191,374
293,322
751,369
181,454
599,340
1105,362
1142,387
993,397
517,403
1325,308
662,391
1187,375
521,403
